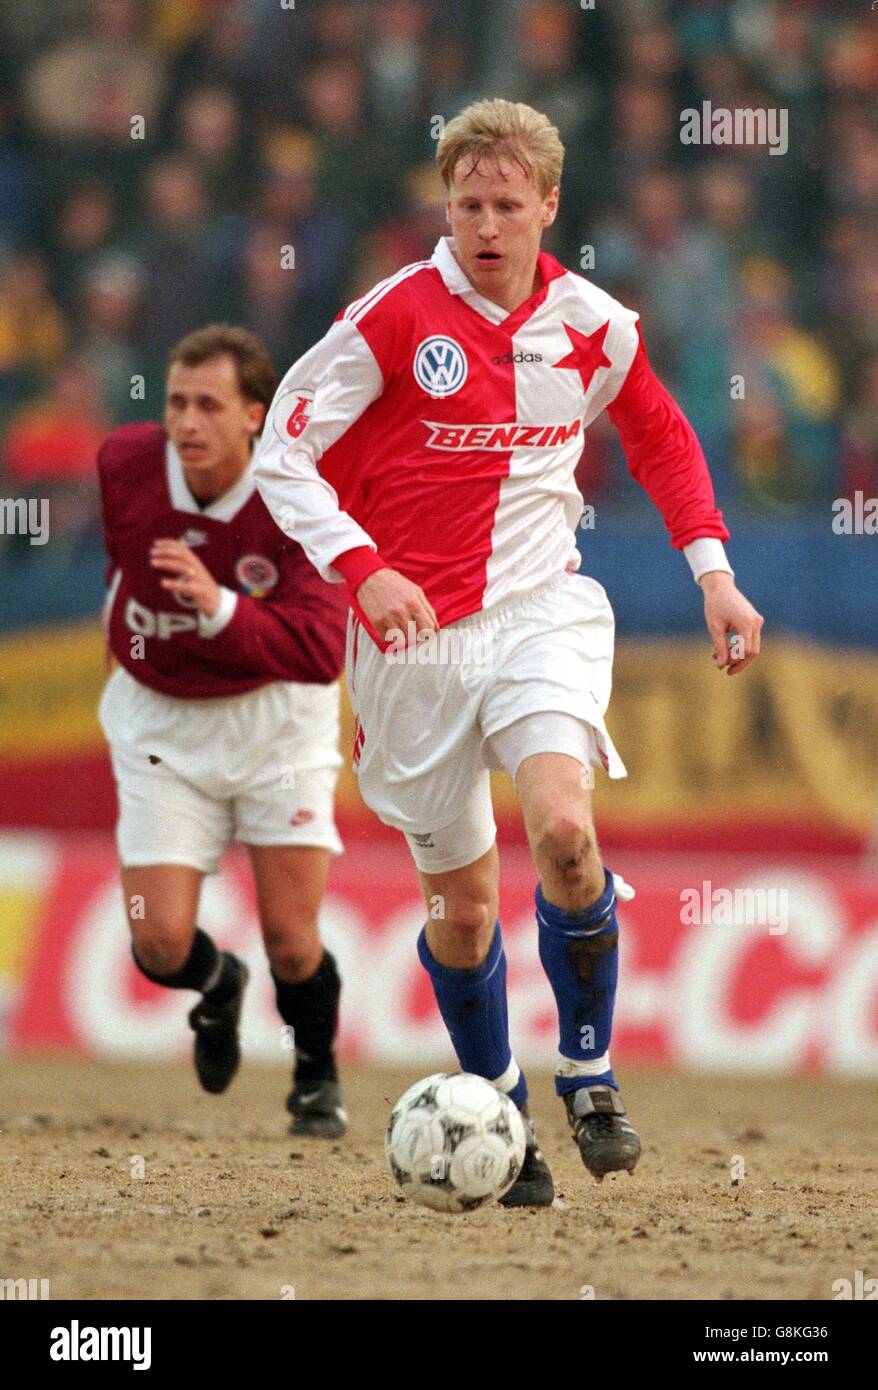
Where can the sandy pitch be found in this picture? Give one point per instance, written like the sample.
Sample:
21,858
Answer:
232,1207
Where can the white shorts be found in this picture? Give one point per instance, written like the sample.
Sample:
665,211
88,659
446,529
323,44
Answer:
192,775
427,728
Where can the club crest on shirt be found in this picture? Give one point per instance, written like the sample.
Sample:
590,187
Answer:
256,574
292,413
440,365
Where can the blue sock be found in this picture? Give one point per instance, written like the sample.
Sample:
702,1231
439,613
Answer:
473,1006
579,953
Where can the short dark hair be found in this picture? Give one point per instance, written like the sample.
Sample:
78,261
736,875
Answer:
257,378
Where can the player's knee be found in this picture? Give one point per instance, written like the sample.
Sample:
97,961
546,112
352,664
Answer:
293,950
566,841
162,946
468,929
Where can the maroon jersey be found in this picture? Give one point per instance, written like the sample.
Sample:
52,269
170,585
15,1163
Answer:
277,620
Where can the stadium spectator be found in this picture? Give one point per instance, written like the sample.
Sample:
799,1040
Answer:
658,245
85,226
111,301
653,55
547,45
219,52
295,254
850,59
92,82
787,419
725,194
49,452
355,175
174,23
450,80
55,438
779,42
209,132
644,136
396,59
846,288
267,289
179,253
339,30
409,237
33,334
854,170
18,186
546,73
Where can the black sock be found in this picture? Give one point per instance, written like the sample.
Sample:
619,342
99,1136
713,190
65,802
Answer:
311,1009
204,965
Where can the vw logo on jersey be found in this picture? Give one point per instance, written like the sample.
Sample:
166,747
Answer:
440,365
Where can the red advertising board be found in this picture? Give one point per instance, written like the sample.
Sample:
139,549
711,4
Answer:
740,964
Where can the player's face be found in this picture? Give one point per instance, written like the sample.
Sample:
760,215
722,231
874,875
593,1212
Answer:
211,424
497,217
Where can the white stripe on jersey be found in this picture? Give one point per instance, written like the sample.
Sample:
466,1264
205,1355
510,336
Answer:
359,307
110,599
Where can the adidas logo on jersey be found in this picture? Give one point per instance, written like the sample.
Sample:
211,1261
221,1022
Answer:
517,357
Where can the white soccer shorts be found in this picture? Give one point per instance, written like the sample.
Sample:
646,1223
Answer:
532,675
192,775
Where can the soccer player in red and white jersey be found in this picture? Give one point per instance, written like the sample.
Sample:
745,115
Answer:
423,453
222,711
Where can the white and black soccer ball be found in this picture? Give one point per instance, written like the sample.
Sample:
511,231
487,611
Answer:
454,1142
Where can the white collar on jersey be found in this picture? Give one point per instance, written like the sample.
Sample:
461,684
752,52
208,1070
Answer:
456,282
222,508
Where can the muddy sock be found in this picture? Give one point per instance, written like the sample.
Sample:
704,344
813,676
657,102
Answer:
579,953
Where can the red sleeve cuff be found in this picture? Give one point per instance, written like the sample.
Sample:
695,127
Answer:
356,565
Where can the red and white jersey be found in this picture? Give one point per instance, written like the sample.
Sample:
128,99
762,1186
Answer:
277,619
442,432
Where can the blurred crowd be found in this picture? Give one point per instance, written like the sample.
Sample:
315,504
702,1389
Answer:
165,163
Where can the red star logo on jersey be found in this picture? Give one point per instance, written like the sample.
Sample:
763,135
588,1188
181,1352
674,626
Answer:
588,353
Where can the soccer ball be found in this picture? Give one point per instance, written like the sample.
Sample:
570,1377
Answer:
454,1142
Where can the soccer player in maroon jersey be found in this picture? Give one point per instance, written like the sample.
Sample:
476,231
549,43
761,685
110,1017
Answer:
222,710
423,453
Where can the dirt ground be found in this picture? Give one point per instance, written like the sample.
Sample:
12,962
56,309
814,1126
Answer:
231,1207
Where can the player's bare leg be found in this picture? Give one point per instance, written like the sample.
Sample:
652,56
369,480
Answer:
290,883
579,952
465,961
161,901
560,829
462,910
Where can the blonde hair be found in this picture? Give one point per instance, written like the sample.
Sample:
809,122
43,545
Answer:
495,129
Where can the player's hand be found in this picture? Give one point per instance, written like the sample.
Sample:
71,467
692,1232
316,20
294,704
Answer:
192,579
726,611
390,601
